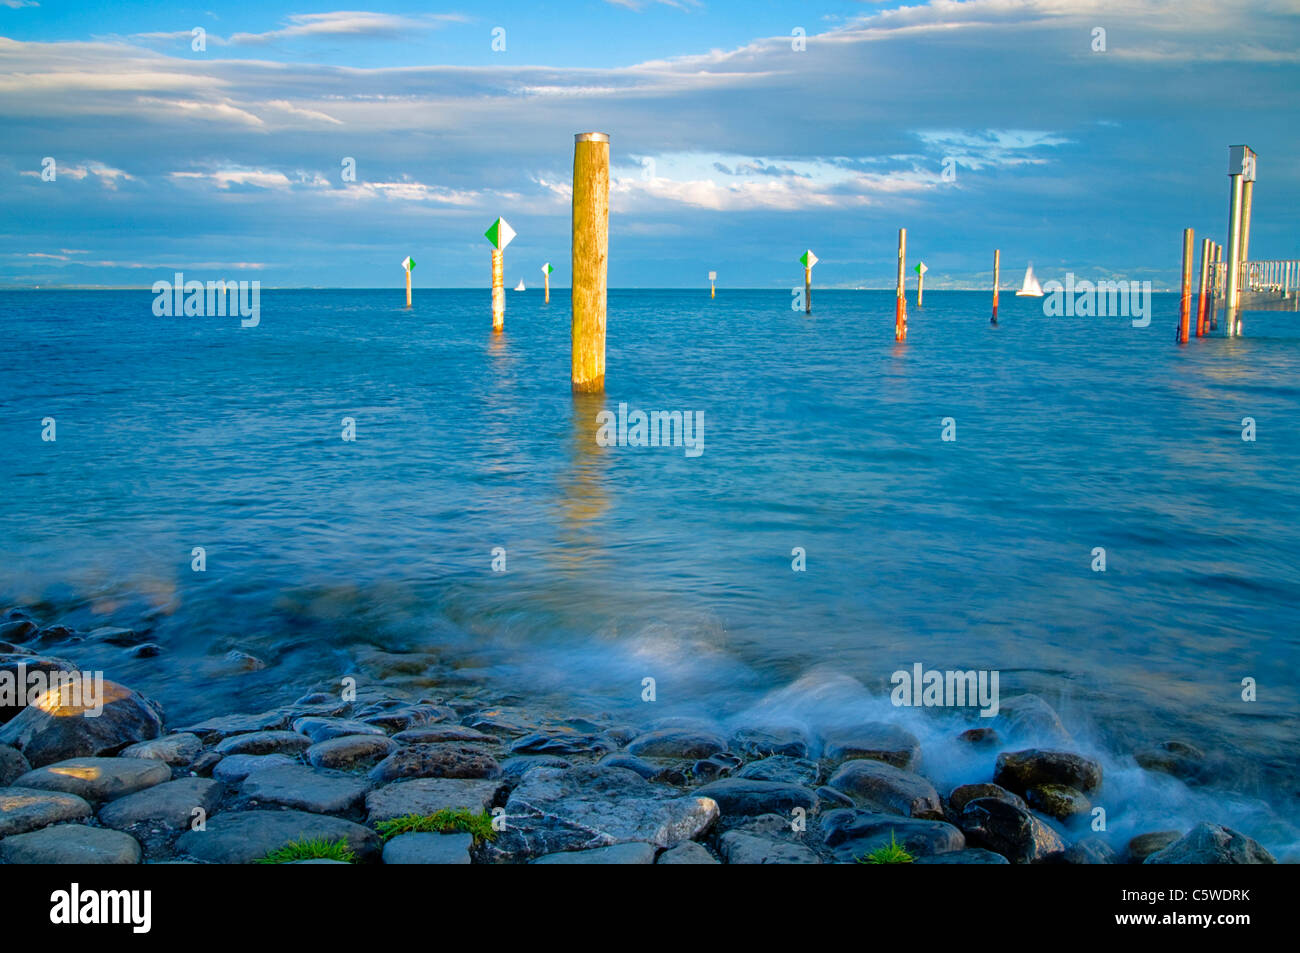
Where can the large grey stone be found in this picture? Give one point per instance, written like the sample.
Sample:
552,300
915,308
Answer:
170,804
51,731
436,734
854,833
420,848
428,795
738,847
73,844
12,764
1019,771
264,742
1212,844
350,751
687,852
16,669
239,766
320,729
177,750
877,741
747,797
787,742
307,789
635,853
246,836
1027,718
782,768
880,786
1011,831
215,729
97,779
26,809
677,743
448,760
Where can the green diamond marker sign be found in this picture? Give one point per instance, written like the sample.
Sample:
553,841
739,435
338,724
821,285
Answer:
808,258
920,268
547,269
500,234
408,263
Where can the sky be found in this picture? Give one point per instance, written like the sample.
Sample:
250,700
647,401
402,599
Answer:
1079,135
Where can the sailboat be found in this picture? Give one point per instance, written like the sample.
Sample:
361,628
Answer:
520,286
1030,288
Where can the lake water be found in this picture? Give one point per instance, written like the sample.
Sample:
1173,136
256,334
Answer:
623,563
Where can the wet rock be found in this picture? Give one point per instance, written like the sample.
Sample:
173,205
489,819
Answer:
633,853
239,766
1092,850
738,847
971,855
717,766
853,833
114,635
789,770
687,852
1010,831
1058,801
429,795
831,798
500,721
447,760
54,635
97,779
18,630
1019,771
145,650
16,669
245,836
591,806
631,763
677,743
170,804
965,793
1212,844
323,729
561,744
70,844
747,797
876,741
215,729
238,661
1144,845
409,716
307,789
436,734
51,731
206,763
350,751
766,742
1177,758
882,787
26,809
177,750
12,765
264,742
513,769
984,737
1029,718
421,848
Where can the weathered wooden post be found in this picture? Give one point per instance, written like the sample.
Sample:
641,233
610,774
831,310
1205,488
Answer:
408,263
808,259
713,276
920,282
997,265
1185,305
1215,287
900,297
546,278
1201,310
590,259
500,234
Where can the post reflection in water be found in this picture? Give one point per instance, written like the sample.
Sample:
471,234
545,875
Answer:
584,498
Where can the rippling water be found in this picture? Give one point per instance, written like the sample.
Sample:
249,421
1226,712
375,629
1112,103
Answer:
623,563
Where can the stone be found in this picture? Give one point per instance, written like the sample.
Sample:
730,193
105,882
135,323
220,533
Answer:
785,768
51,731
1058,801
350,751
971,855
178,750
1010,831
632,853
880,786
97,779
215,729
170,804
631,763
746,797
306,789
1020,770
715,766
145,650
26,809
18,630
768,742
16,669
1143,846
687,852
1029,718
54,634
1177,758
561,744
434,734
320,729
877,741
70,844
245,836
239,766
983,737
428,795
676,743
12,764
853,833
448,760
1212,844
1091,850
738,847
500,721
114,635
409,716
965,793
264,742
515,768
591,806
832,798
420,848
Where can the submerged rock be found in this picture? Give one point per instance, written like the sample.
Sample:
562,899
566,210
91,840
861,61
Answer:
785,768
1177,758
1212,844
320,729
1010,831
350,751
1029,718
215,729
1019,771
882,787
876,741
239,766
628,761
768,742
264,742
561,744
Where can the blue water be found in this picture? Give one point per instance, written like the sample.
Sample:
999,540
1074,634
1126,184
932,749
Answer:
819,432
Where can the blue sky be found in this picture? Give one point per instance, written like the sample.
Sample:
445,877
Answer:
733,150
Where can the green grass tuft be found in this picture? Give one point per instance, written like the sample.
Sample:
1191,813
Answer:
892,853
314,848
445,821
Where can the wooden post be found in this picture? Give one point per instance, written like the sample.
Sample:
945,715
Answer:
1201,326
920,282
900,298
1185,307
408,263
590,259
713,276
498,291
1216,256
997,266
546,278
808,259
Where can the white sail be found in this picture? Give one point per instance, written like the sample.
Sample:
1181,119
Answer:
520,286
1030,287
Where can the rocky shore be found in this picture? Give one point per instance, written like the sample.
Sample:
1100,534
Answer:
381,773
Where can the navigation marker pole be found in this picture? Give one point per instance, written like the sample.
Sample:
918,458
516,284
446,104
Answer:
900,298
1201,319
408,263
546,277
713,276
920,282
500,234
808,259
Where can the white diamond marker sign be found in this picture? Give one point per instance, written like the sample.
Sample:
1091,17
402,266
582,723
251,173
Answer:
808,258
920,268
408,263
500,234
547,269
